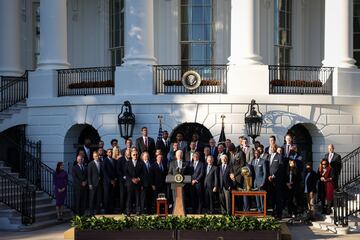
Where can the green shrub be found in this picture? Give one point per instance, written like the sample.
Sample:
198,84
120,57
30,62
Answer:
207,223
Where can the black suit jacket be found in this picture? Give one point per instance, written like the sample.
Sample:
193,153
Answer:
87,159
311,182
134,172
158,176
173,167
78,176
164,149
95,176
276,168
109,170
224,177
146,180
140,146
211,179
198,172
335,162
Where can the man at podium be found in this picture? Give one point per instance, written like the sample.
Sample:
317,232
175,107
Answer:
178,167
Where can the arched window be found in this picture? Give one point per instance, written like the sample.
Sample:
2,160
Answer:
283,31
197,42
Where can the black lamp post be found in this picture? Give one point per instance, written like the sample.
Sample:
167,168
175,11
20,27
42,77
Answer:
253,121
126,121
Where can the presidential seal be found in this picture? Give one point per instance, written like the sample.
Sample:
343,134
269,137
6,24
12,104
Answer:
178,178
191,80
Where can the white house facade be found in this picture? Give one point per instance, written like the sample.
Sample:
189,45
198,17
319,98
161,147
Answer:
87,57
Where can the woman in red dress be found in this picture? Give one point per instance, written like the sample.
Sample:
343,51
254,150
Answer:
326,175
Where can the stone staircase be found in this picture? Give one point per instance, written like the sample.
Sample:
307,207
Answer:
14,115
45,213
328,225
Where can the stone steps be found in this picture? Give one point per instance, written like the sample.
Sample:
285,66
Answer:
45,212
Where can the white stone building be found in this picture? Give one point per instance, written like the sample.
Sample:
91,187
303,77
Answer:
239,44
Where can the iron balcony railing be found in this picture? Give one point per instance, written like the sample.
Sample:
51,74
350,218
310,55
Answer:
168,79
86,81
13,90
18,195
300,80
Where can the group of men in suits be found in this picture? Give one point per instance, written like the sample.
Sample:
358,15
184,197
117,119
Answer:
138,177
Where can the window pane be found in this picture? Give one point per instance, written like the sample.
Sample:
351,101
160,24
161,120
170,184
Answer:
356,24
198,33
356,40
185,32
197,15
185,16
357,58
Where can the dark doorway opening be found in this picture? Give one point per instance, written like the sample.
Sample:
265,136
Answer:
187,129
11,142
303,140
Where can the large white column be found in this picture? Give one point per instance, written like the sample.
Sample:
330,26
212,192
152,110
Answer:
53,35
338,45
10,38
139,32
245,32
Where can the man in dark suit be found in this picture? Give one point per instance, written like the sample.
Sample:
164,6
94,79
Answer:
288,146
86,148
272,141
128,145
134,172
95,180
110,179
199,147
120,172
164,143
158,175
276,179
260,172
334,160
211,183
146,144
225,185
146,192
179,166
196,190
182,144
213,148
189,154
79,177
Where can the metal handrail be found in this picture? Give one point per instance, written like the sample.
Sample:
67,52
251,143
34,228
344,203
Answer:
13,90
18,195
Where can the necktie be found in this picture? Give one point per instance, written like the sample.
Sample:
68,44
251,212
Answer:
161,167
223,169
330,157
146,142
208,169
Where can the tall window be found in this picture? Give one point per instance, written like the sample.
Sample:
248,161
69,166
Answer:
117,31
357,32
197,42
282,36
36,32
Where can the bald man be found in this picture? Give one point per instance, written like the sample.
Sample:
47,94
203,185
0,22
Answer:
335,163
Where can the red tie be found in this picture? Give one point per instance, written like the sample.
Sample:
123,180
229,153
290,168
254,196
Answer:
146,142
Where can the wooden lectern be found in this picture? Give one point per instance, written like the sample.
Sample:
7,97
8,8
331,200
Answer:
177,183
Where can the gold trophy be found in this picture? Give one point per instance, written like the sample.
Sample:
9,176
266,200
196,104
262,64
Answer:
245,172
